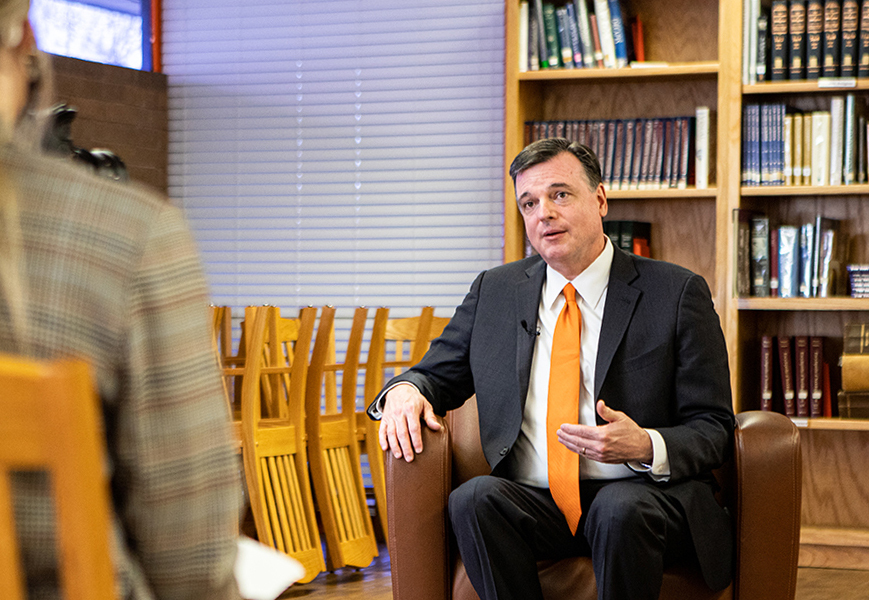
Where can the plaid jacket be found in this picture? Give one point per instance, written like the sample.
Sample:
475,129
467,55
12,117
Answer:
114,278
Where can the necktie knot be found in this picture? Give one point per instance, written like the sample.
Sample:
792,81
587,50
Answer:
569,293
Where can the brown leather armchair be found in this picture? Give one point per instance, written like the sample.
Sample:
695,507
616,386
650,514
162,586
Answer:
761,486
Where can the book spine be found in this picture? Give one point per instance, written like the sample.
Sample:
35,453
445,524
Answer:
807,148
806,264
524,35
797,141
573,32
820,148
754,12
863,52
595,36
849,38
609,153
801,374
637,154
788,261
620,41
564,43
742,231
766,372
773,262
837,124
797,35
816,377
542,48
766,129
627,169
849,158
669,152
701,148
585,36
814,38
788,140
613,232
685,154
763,43
856,339
855,372
760,256
787,375
648,140
618,156
605,30
657,176
832,37
550,28
779,40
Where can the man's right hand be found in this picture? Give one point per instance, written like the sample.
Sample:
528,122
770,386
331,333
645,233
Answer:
400,430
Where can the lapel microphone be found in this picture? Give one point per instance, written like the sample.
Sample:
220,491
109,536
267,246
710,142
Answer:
528,329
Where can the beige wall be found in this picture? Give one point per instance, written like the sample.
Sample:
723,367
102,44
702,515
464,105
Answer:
121,110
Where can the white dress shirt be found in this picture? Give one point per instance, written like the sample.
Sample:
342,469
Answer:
529,455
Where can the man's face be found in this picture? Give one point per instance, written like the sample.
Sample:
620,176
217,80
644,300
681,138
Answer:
562,215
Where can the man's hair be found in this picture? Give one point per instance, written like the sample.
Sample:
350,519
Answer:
546,149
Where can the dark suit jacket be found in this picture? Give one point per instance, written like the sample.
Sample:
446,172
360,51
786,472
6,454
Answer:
661,359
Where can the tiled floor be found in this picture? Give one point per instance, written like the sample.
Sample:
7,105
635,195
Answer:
373,583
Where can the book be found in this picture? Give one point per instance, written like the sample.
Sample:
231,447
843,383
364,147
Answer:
595,37
686,123
821,148
613,232
751,16
863,42
759,236
832,38
742,248
837,129
550,30
542,47
639,39
608,156
849,38
853,405
637,154
773,262
788,138
763,45
779,48
801,375
861,148
808,132
806,259
856,338
564,42
648,141
585,37
855,372
667,179
786,369
677,153
524,37
814,38
620,36
849,133
797,152
797,39
702,160
618,156
605,31
829,257
766,372
657,170
628,166
816,376
788,261
573,31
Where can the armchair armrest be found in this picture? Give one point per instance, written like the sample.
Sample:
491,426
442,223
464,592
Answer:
417,494
768,467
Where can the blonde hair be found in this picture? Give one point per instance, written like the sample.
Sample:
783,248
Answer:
12,282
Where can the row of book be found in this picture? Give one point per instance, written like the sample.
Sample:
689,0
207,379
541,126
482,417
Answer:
854,395
797,374
576,35
805,39
631,236
640,154
819,148
788,261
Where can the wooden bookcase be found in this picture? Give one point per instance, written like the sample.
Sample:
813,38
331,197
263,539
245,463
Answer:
701,43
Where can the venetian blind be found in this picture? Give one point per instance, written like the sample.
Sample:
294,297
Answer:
338,152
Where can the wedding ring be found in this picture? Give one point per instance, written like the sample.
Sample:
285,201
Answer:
583,451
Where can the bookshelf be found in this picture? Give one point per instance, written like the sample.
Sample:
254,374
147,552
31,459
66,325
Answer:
696,46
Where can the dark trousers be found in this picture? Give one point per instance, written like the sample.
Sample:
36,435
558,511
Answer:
629,527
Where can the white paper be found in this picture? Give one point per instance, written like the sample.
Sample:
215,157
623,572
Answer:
263,573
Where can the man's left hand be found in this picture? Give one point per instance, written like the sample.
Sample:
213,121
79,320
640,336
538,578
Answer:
619,441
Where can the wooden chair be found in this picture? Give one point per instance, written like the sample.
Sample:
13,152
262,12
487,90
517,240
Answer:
333,450
231,366
52,423
404,342
274,448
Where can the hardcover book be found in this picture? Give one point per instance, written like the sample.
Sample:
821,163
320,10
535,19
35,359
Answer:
779,28
863,45
801,374
832,37
814,38
816,377
760,256
766,355
849,38
788,261
797,39
786,368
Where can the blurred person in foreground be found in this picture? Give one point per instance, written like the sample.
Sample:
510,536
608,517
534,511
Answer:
109,273
604,401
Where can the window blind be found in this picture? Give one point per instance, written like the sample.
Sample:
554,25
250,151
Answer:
338,152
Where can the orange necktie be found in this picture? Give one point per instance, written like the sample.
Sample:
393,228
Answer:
564,381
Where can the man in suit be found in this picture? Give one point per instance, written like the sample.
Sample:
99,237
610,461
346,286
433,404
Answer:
654,404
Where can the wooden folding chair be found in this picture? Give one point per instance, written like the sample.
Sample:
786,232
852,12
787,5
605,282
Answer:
403,342
52,423
334,453
274,449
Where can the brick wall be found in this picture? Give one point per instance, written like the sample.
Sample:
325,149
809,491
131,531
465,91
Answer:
121,110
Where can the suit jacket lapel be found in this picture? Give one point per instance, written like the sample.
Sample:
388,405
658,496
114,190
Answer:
620,302
528,292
